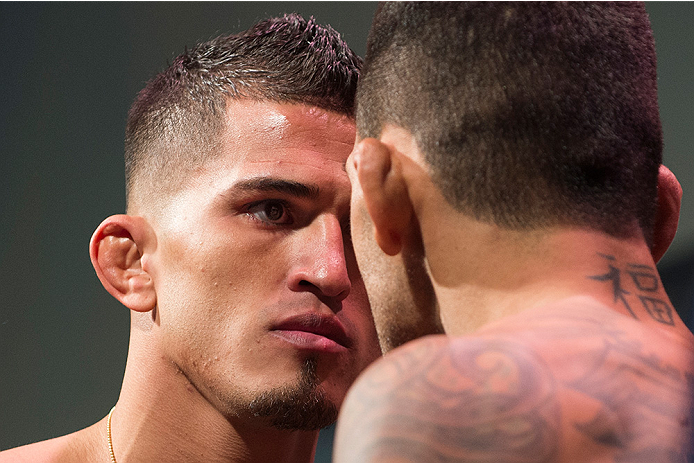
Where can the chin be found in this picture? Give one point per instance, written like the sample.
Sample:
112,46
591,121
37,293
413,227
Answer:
303,406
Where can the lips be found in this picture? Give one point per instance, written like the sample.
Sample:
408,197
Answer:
314,332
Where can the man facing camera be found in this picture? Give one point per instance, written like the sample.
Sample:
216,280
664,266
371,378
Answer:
249,317
509,159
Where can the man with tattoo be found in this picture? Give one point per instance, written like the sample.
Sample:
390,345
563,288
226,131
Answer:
507,185
249,317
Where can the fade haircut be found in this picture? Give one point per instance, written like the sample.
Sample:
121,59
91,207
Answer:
175,123
529,114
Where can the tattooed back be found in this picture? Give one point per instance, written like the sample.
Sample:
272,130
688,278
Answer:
569,382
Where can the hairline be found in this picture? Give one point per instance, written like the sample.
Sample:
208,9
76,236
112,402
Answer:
159,200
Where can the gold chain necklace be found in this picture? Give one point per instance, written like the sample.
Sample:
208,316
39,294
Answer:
108,434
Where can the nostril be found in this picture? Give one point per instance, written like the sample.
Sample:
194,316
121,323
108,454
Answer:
338,291
325,295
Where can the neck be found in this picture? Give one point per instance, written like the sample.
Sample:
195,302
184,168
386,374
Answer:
497,273
160,416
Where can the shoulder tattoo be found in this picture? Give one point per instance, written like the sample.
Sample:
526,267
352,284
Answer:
444,401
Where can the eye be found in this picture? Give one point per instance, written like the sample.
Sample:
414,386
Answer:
271,211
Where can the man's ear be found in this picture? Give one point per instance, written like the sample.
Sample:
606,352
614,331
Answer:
379,171
668,212
116,250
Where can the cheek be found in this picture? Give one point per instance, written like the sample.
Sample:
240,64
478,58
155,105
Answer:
200,290
224,263
361,323
375,267
368,326
216,292
363,240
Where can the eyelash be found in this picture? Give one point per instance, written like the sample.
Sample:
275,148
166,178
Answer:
259,207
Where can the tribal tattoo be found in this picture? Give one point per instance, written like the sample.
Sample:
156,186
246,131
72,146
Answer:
521,395
485,402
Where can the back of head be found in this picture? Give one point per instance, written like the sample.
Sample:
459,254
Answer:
529,114
175,122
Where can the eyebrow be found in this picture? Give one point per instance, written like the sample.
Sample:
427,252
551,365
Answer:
278,185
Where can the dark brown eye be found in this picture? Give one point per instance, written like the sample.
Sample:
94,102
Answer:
271,212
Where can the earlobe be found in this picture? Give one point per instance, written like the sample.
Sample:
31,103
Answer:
668,212
117,249
385,193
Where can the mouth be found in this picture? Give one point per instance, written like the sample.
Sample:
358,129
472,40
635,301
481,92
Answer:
313,331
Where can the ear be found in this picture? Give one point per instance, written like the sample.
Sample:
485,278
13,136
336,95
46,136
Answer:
117,249
379,172
668,212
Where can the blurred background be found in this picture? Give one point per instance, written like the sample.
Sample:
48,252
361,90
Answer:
69,74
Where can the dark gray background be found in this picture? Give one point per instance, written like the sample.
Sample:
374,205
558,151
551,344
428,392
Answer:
68,73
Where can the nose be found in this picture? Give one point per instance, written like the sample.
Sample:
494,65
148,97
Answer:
322,266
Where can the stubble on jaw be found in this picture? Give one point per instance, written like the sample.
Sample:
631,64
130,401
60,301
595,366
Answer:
405,308
301,406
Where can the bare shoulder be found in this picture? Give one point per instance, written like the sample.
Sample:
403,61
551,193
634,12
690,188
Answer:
552,386
80,446
626,388
44,451
445,399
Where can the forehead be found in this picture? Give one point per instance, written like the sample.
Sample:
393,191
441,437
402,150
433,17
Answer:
286,142
281,142
275,137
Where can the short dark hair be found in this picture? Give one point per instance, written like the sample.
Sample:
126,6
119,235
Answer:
175,121
529,114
